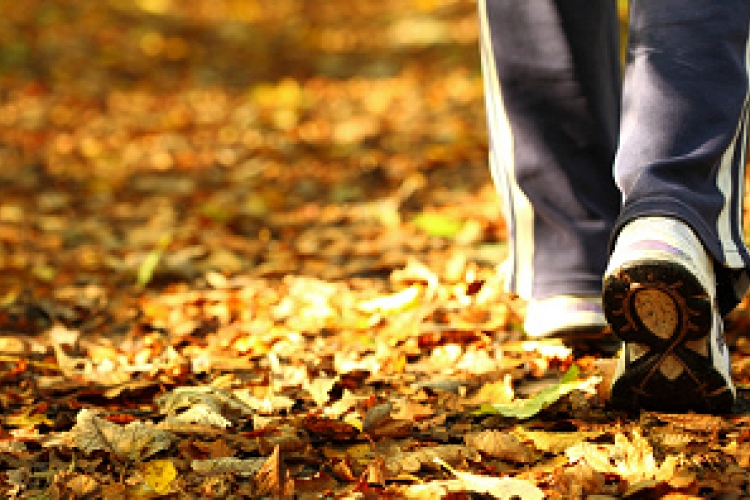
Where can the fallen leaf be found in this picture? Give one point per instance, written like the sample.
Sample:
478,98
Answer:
498,392
159,475
504,488
148,266
554,442
376,415
200,414
241,466
273,478
632,459
439,225
388,304
412,461
527,408
204,405
320,389
501,445
134,441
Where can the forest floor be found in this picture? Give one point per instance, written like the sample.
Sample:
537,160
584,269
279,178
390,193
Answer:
250,249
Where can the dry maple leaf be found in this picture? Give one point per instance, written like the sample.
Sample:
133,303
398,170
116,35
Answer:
266,406
633,460
214,403
134,441
200,414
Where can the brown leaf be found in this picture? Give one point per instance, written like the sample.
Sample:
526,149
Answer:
332,429
215,449
501,445
134,441
216,466
273,478
408,410
504,488
578,480
376,471
82,485
412,461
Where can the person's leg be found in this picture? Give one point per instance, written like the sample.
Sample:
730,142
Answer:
679,258
552,88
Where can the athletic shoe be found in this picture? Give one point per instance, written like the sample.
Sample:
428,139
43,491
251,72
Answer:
660,299
577,320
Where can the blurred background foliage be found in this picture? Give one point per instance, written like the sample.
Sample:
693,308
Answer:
164,43
232,42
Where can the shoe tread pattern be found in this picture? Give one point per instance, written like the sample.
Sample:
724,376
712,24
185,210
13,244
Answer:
700,386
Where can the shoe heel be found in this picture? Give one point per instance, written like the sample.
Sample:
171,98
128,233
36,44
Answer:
653,302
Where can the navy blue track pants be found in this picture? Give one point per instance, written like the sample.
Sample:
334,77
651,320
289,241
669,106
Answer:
576,151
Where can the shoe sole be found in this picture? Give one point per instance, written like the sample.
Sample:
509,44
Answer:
663,308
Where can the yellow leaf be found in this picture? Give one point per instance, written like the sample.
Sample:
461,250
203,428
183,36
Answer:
320,389
392,303
27,420
438,225
159,475
554,442
355,421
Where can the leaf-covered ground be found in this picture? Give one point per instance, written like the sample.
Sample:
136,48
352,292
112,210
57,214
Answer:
249,249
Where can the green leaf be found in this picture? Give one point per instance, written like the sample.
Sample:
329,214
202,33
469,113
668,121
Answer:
526,408
438,225
148,266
